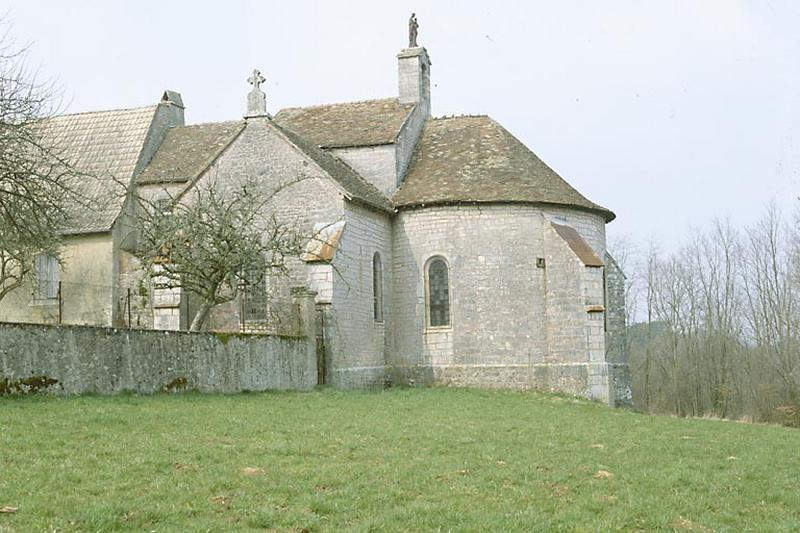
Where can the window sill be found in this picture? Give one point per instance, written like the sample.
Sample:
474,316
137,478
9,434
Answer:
170,305
438,329
44,303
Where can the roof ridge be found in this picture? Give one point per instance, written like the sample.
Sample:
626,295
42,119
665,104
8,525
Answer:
465,115
97,112
239,121
316,106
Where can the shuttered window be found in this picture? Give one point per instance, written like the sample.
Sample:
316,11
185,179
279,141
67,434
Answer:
46,276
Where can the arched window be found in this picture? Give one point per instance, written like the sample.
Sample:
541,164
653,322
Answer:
438,293
377,288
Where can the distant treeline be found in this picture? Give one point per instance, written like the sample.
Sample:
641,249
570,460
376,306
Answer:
717,329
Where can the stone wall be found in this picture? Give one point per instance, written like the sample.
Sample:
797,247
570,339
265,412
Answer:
616,343
86,285
414,77
355,342
307,196
591,226
162,309
616,333
385,166
377,164
83,359
512,323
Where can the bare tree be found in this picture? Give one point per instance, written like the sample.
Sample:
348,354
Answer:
722,335
773,303
213,241
625,255
35,177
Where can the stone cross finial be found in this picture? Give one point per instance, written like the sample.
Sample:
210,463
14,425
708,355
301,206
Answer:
412,31
256,99
256,79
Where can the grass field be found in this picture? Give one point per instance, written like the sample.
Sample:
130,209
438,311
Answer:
400,460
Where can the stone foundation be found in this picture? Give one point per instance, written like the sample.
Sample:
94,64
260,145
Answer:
604,382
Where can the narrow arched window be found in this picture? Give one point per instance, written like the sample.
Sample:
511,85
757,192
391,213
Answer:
377,288
438,293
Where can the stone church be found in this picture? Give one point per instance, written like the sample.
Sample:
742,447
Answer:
452,254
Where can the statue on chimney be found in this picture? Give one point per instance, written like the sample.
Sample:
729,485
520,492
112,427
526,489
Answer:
412,31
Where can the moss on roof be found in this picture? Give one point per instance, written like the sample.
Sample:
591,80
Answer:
187,151
105,147
351,124
474,159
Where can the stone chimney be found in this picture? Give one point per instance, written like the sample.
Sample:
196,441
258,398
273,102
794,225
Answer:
256,99
414,71
172,104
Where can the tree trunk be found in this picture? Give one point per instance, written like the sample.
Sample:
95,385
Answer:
200,317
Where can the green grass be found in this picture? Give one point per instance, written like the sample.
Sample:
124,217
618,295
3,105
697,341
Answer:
401,460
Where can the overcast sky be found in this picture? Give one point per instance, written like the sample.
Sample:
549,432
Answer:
669,113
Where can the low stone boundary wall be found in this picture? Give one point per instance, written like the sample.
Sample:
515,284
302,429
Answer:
86,359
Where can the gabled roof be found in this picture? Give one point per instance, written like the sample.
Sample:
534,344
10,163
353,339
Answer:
352,124
187,151
105,147
355,186
474,159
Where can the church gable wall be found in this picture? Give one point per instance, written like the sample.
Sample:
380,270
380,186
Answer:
261,152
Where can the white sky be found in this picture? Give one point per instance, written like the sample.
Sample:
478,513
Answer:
669,113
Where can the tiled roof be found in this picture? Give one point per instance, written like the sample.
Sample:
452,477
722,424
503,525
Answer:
188,150
356,186
577,244
105,147
367,123
474,159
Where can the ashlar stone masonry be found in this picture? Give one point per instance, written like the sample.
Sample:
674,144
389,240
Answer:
459,258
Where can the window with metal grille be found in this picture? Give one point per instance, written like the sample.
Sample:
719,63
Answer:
46,276
438,293
254,297
377,288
